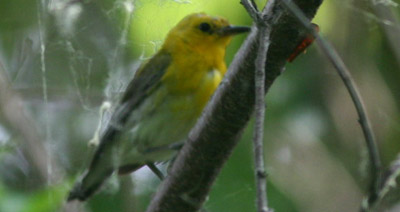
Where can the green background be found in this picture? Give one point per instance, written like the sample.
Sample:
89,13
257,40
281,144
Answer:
315,152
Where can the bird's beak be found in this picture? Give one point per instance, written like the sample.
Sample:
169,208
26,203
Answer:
233,30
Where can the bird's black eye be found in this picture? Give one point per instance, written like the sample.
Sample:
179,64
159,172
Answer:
205,27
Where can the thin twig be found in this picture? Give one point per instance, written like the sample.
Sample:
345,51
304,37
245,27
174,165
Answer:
13,108
389,178
262,20
14,111
260,174
345,75
388,183
251,8
263,27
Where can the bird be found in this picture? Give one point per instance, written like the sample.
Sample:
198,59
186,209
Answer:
162,102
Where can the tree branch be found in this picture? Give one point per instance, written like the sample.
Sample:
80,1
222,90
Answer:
251,8
14,111
263,22
387,183
13,108
347,79
212,140
258,139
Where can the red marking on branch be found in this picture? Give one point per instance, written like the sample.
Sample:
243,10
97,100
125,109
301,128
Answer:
301,48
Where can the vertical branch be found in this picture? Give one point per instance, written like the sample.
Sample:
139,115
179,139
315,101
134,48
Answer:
346,77
261,176
263,21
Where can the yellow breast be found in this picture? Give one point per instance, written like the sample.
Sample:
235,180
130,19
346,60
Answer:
194,76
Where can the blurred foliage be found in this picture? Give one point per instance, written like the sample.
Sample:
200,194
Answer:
45,199
316,155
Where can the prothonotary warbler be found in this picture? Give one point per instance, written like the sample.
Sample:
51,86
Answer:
163,101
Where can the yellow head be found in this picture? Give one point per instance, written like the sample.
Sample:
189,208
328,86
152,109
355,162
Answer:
200,32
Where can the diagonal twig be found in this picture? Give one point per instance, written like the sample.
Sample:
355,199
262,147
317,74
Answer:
389,178
251,9
388,182
11,105
13,108
345,75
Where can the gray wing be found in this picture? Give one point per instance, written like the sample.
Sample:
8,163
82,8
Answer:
146,79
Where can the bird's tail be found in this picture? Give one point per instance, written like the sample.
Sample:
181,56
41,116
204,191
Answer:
91,181
101,167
